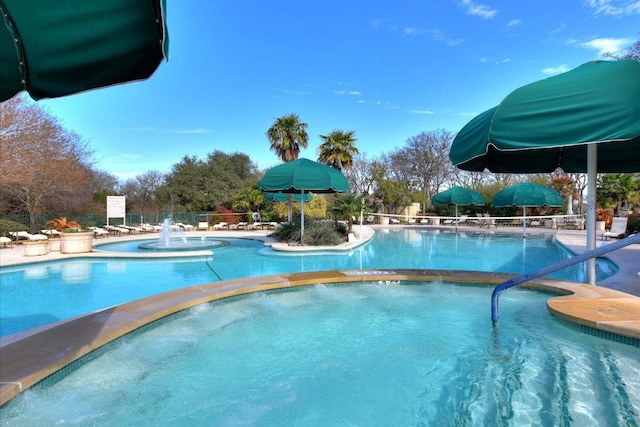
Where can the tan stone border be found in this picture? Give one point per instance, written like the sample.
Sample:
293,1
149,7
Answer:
28,360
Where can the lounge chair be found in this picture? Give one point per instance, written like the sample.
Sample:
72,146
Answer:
99,232
132,229
462,219
575,224
221,225
23,235
238,226
185,227
490,222
51,232
394,221
203,225
5,241
116,231
424,221
618,228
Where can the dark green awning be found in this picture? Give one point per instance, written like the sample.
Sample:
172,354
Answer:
549,124
52,48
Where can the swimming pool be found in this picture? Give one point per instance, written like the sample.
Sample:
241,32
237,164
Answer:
43,293
349,354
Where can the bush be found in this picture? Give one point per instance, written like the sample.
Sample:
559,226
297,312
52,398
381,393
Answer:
316,233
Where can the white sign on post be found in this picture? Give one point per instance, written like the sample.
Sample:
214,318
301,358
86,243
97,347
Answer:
116,207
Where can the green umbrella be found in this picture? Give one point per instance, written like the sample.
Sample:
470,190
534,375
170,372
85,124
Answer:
303,176
458,196
584,120
524,195
52,48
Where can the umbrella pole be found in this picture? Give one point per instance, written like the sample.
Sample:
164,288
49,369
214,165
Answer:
524,221
302,217
592,162
456,218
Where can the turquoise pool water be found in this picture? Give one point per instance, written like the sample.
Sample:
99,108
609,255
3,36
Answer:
348,355
42,293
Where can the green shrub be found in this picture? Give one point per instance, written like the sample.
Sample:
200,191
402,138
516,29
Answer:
7,226
322,233
316,233
633,224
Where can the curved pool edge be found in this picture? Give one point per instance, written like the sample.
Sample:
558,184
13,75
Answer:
32,358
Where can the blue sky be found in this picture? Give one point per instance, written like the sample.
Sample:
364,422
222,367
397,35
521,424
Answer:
388,70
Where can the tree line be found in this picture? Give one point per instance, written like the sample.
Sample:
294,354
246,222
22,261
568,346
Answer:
49,169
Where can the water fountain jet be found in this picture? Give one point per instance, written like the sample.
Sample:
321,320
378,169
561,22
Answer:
176,240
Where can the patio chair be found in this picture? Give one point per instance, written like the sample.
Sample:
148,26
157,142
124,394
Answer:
221,225
5,241
491,222
618,228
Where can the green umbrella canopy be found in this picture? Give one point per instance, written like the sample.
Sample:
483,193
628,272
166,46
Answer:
526,194
303,176
584,120
549,123
284,197
53,48
458,196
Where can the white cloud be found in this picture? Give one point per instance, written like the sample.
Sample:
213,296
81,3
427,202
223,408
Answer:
413,111
347,92
434,33
614,7
480,10
193,131
606,45
550,71
514,22
383,104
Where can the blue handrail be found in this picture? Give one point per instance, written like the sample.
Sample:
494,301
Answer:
555,267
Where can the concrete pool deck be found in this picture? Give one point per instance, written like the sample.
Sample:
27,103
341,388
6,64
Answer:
28,358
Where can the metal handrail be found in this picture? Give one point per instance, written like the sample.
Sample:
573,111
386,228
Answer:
555,267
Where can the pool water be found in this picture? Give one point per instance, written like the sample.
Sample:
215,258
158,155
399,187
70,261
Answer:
43,293
350,354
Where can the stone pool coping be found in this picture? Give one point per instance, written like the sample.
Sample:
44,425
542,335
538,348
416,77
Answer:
31,358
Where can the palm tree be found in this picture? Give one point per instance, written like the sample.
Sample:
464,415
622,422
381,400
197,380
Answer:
287,135
349,205
338,149
248,199
62,224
